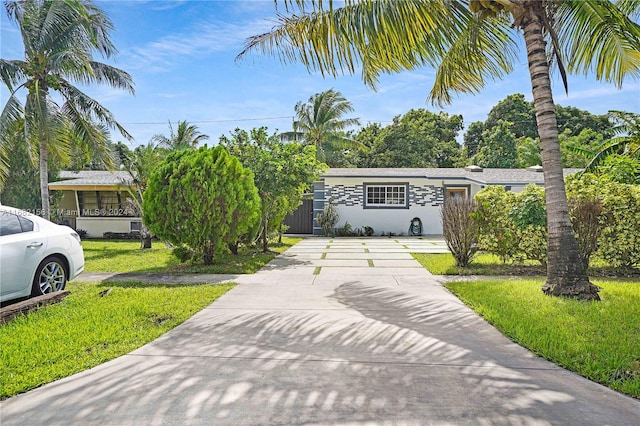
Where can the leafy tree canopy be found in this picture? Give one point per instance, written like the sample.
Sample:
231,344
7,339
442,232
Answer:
498,148
203,199
282,172
419,138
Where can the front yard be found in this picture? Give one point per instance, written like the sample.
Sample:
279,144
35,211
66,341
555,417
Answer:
598,340
126,256
101,321
95,323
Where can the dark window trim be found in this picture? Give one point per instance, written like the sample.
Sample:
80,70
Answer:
405,206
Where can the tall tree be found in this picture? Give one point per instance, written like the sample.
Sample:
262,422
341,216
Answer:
498,148
321,121
627,143
473,137
282,173
140,164
186,136
516,110
21,189
419,138
60,38
469,42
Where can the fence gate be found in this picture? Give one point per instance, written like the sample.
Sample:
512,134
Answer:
301,220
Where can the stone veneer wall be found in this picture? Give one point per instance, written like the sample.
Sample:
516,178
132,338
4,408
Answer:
350,196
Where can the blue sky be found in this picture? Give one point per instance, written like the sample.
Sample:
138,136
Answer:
181,56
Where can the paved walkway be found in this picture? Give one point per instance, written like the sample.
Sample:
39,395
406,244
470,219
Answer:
345,332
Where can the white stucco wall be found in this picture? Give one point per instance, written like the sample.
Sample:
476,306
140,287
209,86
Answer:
424,196
97,226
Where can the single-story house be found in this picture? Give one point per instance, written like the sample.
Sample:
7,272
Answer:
96,201
387,200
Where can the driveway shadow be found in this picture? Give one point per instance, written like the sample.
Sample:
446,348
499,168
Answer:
382,356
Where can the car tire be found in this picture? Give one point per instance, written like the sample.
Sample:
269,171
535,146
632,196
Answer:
51,276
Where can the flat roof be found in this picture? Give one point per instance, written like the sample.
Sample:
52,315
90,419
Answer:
485,177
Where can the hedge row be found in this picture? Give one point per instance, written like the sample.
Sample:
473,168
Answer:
605,217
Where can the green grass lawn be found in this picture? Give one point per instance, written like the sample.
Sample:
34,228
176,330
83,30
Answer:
126,256
85,329
490,264
598,340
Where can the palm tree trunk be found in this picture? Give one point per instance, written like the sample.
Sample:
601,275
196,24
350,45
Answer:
566,273
44,178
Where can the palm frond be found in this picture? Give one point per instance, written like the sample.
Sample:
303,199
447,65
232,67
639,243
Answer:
629,7
484,50
112,76
599,38
12,73
77,102
381,36
11,115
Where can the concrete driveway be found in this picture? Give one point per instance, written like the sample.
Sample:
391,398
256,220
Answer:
344,331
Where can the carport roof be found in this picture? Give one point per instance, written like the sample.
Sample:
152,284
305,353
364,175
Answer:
91,178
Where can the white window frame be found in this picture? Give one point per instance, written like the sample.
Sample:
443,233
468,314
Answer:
389,196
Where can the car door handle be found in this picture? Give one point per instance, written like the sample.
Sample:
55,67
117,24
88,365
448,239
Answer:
34,245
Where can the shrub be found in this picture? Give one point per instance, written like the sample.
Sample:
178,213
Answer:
620,239
183,253
529,216
328,218
203,199
368,231
512,225
495,228
460,228
585,216
618,227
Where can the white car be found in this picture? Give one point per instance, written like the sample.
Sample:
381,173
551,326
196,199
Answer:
36,256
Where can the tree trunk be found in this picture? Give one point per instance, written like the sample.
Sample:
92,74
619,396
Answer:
145,237
44,177
566,274
208,253
265,237
145,242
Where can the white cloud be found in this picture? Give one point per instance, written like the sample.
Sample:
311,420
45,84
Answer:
203,39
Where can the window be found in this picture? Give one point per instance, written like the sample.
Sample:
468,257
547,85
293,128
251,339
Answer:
135,226
9,224
456,192
386,196
27,225
104,203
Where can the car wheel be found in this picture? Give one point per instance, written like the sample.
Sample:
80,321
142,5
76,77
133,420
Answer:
51,276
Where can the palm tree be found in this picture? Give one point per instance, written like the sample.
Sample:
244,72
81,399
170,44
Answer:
139,163
59,39
468,42
320,122
628,143
186,137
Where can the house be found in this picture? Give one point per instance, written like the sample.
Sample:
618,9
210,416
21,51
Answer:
387,200
97,202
